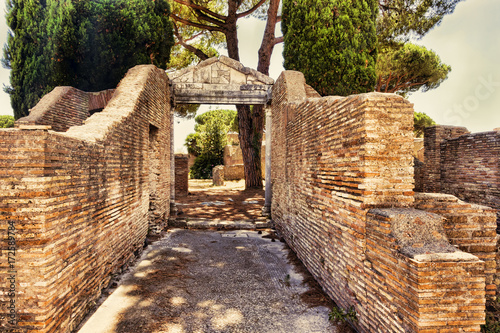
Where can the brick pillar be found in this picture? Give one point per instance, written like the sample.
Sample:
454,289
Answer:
433,137
181,175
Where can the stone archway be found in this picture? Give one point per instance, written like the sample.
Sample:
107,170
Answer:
226,81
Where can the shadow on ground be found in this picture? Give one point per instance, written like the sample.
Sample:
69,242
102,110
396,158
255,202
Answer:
230,202
208,281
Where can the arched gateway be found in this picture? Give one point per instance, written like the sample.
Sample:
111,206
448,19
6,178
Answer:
226,81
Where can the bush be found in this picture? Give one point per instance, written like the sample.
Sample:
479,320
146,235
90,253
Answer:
6,121
203,165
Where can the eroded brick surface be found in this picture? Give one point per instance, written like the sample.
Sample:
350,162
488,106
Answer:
333,160
79,203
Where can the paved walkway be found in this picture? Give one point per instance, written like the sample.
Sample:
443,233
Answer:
194,281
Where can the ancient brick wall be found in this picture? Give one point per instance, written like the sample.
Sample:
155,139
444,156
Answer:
181,175
433,137
64,107
470,168
341,167
77,204
414,282
469,227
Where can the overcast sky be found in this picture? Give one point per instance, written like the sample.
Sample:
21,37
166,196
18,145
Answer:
468,40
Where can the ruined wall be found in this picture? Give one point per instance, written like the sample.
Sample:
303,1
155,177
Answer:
342,176
233,160
469,227
470,168
75,205
64,107
415,281
463,164
181,175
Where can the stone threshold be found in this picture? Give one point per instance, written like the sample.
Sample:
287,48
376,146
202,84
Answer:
198,223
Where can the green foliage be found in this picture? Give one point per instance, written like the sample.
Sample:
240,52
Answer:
24,54
86,44
420,122
340,315
186,111
492,324
193,144
208,142
401,20
333,42
6,121
404,69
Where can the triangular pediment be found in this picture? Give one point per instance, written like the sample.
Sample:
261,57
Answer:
220,81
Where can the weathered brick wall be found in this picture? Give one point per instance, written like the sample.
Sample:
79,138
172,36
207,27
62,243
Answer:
418,170
181,175
64,107
333,160
233,161
77,203
468,226
411,287
470,168
433,137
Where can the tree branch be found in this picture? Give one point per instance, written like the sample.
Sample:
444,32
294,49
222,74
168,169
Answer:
278,40
204,9
251,10
197,25
199,53
408,85
202,16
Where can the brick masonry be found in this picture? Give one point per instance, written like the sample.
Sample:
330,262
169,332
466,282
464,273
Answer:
181,175
64,107
469,227
342,183
465,165
78,203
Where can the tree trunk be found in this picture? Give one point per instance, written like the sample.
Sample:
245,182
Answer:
251,120
251,123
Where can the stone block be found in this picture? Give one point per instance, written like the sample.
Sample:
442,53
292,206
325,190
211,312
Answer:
218,175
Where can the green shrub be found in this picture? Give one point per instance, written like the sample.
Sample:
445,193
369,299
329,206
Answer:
6,121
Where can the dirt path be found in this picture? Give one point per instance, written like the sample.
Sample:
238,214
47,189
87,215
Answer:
208,281
229,202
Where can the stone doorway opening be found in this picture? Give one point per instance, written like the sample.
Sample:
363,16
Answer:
221,81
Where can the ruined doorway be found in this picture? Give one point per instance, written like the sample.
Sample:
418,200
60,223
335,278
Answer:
224,81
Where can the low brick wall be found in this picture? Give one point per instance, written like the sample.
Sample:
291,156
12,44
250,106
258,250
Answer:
181,175
422,290
76,205
64,107
463,164
471,228
342,179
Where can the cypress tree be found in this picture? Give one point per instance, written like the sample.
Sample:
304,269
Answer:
333,42
87,44
24,54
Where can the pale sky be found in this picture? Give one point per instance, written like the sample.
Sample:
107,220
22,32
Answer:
468,41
